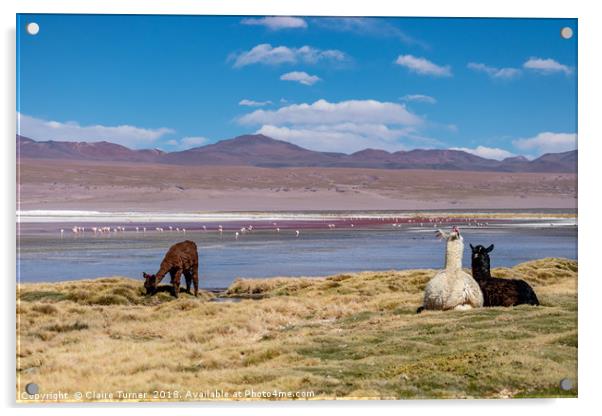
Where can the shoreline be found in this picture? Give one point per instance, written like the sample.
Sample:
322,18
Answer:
48,216
233,293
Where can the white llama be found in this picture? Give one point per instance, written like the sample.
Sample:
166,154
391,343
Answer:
452,288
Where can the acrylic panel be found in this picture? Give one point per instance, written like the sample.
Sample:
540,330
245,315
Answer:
295,208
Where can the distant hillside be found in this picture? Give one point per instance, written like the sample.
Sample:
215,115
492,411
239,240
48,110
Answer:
262,151
103,151
253,150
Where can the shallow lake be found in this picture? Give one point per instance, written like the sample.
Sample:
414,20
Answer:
223,258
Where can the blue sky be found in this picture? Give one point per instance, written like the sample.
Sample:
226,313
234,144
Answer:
494,87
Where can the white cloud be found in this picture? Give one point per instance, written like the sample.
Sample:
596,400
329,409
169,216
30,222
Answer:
300,77
276,22
187,142
548,142
253,103
269,55
345,126
487,152
423,66
194,141
546,66
324,112
127,135
344,137
493,72
369,26
420,98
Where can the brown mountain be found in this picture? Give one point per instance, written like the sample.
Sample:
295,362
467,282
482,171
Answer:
553,162
262,151
253,150
103,151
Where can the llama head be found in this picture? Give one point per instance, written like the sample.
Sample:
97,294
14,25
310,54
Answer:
480,257
453,235
150,283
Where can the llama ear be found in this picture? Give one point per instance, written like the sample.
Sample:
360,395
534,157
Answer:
471,247
144,275
489,249
441,234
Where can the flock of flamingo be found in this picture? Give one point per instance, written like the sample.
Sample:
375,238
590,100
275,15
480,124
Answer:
117,229
345,223
76,230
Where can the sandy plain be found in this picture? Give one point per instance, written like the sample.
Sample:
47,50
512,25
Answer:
71,185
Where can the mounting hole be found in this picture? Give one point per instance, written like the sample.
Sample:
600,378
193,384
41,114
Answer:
566,32
32,388
566,384
33,28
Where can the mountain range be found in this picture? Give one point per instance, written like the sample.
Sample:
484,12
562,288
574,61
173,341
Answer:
262,151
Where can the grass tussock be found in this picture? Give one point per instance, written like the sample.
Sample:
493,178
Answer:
344,336
105,291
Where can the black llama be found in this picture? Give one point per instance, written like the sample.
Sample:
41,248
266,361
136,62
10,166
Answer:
496,291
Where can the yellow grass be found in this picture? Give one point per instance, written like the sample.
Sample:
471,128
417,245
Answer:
346,336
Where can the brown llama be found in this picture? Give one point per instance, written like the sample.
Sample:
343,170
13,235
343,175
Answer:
181,258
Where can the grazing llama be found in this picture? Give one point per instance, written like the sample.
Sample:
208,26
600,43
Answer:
496,291
180,258
452,288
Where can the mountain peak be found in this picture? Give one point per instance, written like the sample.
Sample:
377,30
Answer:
371,152
252,139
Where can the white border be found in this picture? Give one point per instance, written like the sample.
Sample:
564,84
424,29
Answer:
590,34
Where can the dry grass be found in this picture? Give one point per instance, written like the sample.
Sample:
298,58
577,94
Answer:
345,336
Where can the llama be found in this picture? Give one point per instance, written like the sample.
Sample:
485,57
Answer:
180,258
496,291
452,288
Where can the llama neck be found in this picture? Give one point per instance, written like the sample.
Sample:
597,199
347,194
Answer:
453,254
481,271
